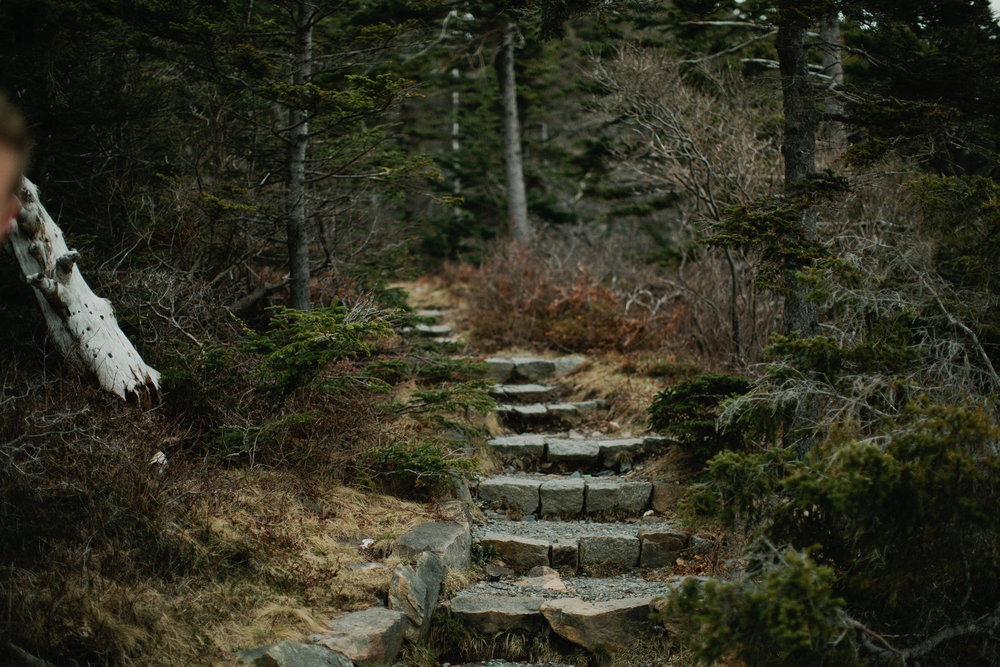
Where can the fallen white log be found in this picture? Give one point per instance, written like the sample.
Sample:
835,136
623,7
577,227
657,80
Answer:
82,324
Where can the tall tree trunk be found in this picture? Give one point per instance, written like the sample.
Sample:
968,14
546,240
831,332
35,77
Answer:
296,225
798,149
829,34
513,162
81,323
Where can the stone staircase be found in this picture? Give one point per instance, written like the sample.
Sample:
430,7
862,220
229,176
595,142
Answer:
570,537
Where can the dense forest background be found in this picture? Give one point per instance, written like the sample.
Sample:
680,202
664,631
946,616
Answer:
788,210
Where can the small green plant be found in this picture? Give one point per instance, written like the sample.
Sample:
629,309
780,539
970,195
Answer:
298,347
483,554
418,469
688,412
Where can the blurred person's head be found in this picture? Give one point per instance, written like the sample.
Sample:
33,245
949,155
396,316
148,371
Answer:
13,158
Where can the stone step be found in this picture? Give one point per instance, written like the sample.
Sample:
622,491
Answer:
543,411
599,614
429,314
566,496
523,392
433,329
584,452
581,545
530,369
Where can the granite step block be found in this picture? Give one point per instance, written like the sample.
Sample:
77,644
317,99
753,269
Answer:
530,369
522,446
511,491
562,496
617,495
524,392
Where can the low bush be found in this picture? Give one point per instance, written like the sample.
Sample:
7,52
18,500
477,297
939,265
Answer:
524,295
689,409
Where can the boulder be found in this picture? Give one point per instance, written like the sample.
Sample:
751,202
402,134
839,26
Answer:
451,541
517,552
599,626
372,636
666,496
561,496
293,654
492,614
457,511
516,492
621,550
415,593
661,547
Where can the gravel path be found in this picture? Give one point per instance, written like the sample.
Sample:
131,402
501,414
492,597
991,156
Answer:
552,530
587,588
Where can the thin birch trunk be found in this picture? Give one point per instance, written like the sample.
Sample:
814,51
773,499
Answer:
513,162
296,225
829,34
82,324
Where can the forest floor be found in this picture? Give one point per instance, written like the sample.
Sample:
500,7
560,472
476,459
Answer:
271,553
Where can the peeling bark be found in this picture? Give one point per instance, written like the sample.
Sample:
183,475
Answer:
82,324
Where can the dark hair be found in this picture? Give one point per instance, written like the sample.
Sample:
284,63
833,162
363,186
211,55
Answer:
14,135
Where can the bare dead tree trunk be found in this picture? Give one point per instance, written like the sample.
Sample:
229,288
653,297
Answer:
829,34
81,323
296,225
513,161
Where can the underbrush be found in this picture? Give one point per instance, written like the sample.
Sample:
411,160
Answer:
231,513
606,293
527,295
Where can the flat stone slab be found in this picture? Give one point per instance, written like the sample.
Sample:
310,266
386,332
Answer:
517,492
523,391
433,329
451,541
293,654
617,550
561,496
430,314
564,450
372,635
526,446
617,495
530,410
603,625
594,589
492,614
566,365
518,552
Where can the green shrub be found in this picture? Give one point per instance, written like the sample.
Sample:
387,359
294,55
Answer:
688,412
903,524
784,612
418,469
